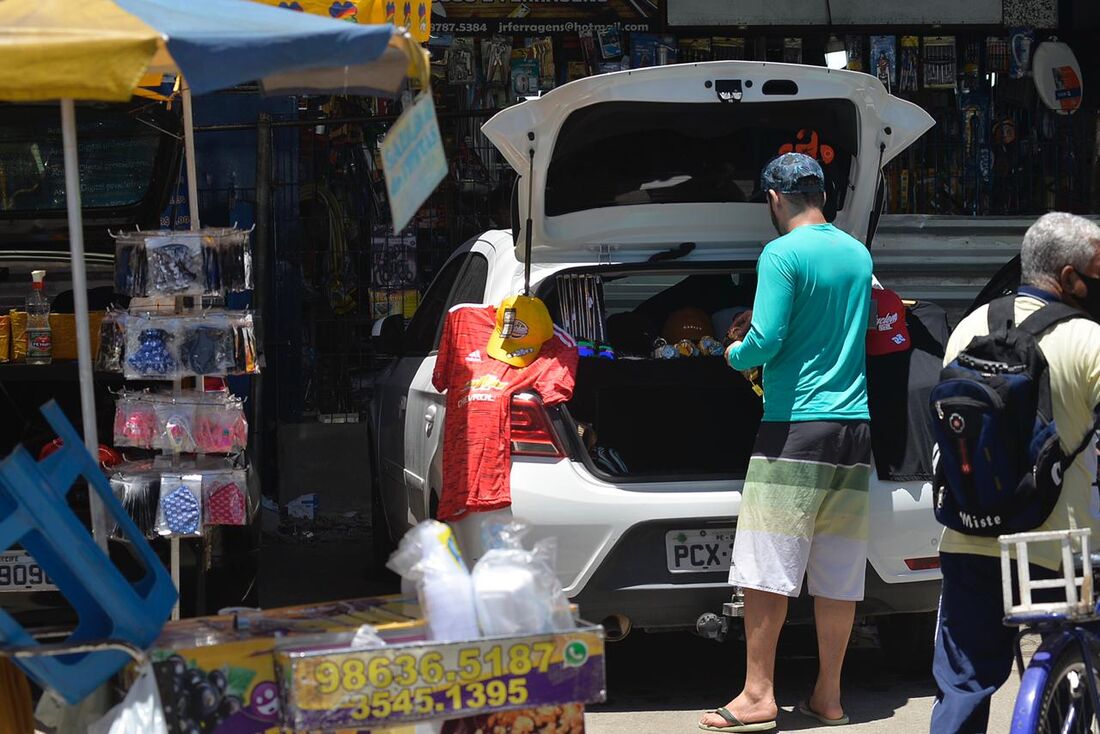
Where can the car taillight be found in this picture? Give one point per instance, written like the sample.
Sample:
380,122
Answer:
923,564
532,434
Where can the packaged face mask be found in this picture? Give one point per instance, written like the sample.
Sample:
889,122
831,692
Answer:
225,498
151,349
180,509
176,427
221,429
175,265
135,424
112,343
206,348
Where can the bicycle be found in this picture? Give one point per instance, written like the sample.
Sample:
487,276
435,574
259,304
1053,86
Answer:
1060,686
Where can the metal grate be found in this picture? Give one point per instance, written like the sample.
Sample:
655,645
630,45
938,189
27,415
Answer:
338,266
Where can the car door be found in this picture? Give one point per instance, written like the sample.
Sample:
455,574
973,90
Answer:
463,280
392,395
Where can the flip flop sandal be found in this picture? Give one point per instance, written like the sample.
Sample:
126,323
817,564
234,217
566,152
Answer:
805,710
735,724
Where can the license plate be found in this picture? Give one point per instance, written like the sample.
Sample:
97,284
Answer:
691,551
20,572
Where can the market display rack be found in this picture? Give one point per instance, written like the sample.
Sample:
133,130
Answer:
181,268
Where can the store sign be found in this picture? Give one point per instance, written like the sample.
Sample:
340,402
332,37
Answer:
413,160
380,687
546,16
849,12
411,14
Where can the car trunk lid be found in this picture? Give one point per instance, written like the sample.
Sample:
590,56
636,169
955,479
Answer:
624,166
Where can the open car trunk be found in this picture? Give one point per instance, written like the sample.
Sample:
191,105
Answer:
668,419
688,418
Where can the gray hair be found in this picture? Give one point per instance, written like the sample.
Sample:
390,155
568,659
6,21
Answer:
1055,241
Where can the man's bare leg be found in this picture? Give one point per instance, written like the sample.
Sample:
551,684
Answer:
834,627
765,614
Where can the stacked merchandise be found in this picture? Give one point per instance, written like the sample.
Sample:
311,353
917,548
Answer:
155,346
200,479
193,422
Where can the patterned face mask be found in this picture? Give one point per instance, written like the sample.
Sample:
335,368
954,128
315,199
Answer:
207,350
225,506
181,511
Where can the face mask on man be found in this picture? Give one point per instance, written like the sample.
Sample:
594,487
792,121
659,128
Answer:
1091,301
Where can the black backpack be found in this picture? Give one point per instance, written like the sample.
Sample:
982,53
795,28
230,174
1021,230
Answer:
1000,464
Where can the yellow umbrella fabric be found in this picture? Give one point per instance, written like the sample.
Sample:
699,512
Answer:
60,49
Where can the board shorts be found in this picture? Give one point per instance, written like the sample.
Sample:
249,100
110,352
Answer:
804,510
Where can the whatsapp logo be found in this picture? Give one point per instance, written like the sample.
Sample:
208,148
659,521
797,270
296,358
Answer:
575,654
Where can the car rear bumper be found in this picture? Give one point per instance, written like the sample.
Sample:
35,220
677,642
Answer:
633,581
612,551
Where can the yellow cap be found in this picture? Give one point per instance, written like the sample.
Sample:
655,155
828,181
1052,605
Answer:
528,326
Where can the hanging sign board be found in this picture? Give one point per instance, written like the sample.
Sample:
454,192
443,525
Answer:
1057,77
413,159
413,15
541,17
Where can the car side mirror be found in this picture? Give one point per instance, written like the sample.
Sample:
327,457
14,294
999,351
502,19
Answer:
389,334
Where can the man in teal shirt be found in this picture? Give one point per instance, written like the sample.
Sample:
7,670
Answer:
804,505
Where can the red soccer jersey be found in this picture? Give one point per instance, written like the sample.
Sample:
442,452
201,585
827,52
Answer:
477,441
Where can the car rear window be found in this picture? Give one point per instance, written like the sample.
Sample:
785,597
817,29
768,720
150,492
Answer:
627,153
117,155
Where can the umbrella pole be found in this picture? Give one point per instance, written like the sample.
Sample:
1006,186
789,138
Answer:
189,152
80,307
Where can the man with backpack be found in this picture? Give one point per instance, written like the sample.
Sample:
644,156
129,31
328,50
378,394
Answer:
1015,419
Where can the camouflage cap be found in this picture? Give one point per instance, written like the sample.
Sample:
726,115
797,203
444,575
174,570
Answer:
793,173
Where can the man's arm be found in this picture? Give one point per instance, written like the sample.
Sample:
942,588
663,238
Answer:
771,313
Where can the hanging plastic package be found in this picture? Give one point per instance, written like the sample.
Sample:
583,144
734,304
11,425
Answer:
221,428
516,591
175,265
428,556
112,343
225,498
207,348
139,712
175,424
150,349
129,266
135,423
180,512
139,494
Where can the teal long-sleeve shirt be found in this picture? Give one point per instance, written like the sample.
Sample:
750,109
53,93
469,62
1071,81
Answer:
809,326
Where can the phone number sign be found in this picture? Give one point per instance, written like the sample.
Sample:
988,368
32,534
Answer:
405,683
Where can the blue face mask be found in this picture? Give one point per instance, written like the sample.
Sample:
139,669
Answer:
1091,301
182,513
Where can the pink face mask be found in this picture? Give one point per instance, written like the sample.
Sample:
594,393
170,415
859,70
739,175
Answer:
226,505
135,425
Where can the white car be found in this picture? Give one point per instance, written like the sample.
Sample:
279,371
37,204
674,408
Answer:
651,179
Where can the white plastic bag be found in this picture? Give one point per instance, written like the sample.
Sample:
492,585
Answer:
517,591
429,556
139,712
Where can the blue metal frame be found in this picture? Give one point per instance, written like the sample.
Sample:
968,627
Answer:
1057,633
